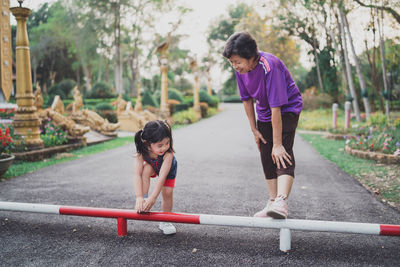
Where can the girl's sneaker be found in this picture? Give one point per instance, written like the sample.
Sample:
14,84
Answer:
263,213
167,228
278,209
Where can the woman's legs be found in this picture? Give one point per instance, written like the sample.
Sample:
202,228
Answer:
280,187
272,186
285,183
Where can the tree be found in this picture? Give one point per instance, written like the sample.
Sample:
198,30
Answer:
389,7
348,67
364,92
218,35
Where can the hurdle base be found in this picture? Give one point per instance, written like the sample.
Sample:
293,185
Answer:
285,240
122,226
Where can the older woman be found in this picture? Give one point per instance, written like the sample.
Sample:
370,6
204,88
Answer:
264,77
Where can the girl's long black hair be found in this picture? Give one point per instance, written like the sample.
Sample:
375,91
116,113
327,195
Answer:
153,132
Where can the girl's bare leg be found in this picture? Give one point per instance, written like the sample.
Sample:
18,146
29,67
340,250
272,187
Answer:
167,198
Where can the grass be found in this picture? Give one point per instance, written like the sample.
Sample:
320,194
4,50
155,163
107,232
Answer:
21,167
382,180
319,119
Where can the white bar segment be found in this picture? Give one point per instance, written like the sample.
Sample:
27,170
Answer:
293,224
30,207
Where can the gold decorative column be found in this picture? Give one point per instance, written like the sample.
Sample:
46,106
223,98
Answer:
196,97
5,50
162,49
26,121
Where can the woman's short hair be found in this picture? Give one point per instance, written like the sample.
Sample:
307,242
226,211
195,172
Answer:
241,44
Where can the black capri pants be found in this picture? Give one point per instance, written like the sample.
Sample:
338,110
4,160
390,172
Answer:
289,125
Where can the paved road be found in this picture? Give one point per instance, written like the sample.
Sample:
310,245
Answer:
219,173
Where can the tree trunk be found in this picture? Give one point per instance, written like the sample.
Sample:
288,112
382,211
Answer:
118,56
88,82
364,92
382,46
78,77
99,72
133,75
348,69
340,61
107,71
374,77
321,85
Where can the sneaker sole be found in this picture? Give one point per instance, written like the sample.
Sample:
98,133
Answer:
276,214
167,233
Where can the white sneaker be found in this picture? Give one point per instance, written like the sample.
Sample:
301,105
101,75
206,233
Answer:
167,228
263,213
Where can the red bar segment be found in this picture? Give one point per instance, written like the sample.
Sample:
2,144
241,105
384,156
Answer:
387,229
130,214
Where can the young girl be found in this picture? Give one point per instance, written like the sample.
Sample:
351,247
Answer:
155,156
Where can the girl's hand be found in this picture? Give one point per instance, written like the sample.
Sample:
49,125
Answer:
279,155
139,206
258,138
148,204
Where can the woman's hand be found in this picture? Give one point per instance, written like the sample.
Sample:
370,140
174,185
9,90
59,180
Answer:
279,155
139,206
148,204
258,138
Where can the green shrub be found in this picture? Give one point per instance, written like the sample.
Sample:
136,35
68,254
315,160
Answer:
377,119
148,99
181,107
101,90
106,111
175,94
189,101
52,92
111,116
232,99
315,101
212,101
185,117
66,86
104,106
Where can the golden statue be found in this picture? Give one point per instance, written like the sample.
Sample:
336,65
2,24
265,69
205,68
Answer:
73,129
119,104
95,122
78,102
38,98
58,105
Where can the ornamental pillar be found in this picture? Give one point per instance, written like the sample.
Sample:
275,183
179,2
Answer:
26,122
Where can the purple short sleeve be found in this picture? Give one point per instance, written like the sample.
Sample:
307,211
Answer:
244,95
276,87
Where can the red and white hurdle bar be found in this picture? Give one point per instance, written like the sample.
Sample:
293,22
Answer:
122,215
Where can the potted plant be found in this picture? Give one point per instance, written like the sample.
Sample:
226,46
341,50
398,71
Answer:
6,144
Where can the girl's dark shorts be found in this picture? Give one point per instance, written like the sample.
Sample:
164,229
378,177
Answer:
289,124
